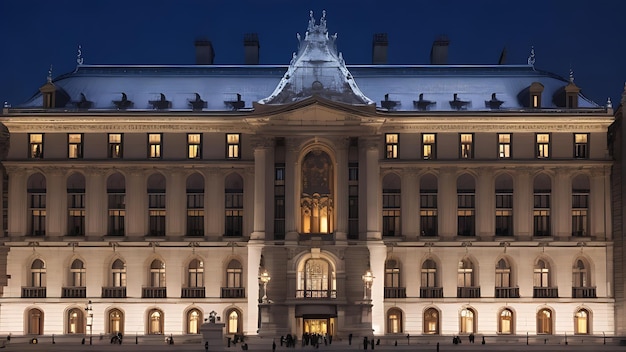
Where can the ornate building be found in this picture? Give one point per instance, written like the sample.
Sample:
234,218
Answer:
314,197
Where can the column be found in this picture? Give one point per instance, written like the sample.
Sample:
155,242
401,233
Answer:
96,203
372,186
214,203
18,201
176,204
56,203
342,192
485,204
255,249
522,204
561,204
409,203
261,148
291,186
136,204
378,255
599,204
447,202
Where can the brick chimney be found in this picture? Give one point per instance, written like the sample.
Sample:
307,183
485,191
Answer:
204,52
251,47
379,49
439,51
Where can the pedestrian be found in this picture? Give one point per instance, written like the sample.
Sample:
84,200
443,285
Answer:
282,340
350,339
273,346
365,343
471,337
483,342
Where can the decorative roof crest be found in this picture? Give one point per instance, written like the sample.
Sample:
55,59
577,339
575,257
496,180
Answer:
531,58
50,74
79,56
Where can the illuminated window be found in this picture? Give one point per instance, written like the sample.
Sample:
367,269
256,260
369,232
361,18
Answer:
581,323
466,146
233,146
504,213
391,145
157,273
394,321
118,272
468,321
194,320
75,145
544,322
155,322
35,145
194,146
431,321
504,145
78,273
154,145
76,205
429,146
505,322
115,145
581,145
195,273
75,321
234,322
543,145
116,321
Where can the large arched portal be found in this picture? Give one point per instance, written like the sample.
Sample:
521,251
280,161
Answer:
316,199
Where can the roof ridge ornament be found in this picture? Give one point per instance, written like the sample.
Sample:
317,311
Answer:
531,58
79,55
50,74
571,74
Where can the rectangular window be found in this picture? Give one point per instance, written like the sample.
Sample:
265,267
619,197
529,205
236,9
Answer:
195,214
37,208
581,145
466,214
391,145
391,212
428,213
279,201
76,212
353,201
75,145
35,145
504,145
504,213
117,213
156,211
233,146
580,209
429,144
194,146
115,145
467,146
234,213
541,214
154,145
543,145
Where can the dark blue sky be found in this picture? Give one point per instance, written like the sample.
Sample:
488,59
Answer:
588,36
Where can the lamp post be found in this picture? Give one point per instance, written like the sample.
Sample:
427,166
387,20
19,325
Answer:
264,278
89,310
368,278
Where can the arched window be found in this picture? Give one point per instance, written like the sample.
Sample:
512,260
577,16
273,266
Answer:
581,281
316,198
78,273
35,322
466,280
234,273
118,272
503,273
394,321
505,322
316,280
157,273
544,321
542,279
581,322
194,320
428,205
37,205
195,273
155,322
116,321
468,321
431,321
38,273
75,321
234,322
429,287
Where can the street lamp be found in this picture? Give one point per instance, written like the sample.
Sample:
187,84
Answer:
368,278
264,278
89,310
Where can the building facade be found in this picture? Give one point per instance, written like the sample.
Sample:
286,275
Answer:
314,197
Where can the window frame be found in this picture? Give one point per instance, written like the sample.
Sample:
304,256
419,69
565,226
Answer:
155,149
233,149
75,147
505,148
115,153
194,146
432,146
392,145
466,149
581,149
543,149
33,153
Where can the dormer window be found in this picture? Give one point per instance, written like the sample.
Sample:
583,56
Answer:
422,104
535,90
389,104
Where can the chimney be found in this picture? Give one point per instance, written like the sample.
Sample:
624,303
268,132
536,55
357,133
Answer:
379,49
251,47
204,52
439,51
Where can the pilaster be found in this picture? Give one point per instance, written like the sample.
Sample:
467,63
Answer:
56,203
409,202
372,185
522,199
485,204
214,203
18,211
136,204
292,180
561,203
96,203
447,202
261,149
341,200
176,204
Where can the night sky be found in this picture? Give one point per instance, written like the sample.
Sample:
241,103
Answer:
587,36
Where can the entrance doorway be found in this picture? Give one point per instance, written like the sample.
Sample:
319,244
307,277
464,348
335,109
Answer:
318,325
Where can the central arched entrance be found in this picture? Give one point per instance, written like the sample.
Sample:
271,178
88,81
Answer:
316,319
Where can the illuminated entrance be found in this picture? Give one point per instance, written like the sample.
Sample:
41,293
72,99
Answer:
318,325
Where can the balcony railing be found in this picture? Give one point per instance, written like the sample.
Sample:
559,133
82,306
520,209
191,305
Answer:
233,292
431,292
395,292
33,292
192,292
114,292
545,292
316,294
507,292
584,292
153,292
73,292
468,292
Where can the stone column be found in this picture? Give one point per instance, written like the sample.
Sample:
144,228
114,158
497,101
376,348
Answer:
378,256
56,203
292,179
522,205
248,201
409,202
96,203
447,202
136,219
18,200
600,204
372,186
261,148
485,204
255,249
341,189
176,204
561,204
214,203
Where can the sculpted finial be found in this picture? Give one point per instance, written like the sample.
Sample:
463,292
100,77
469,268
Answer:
531,58
50,74
79,56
